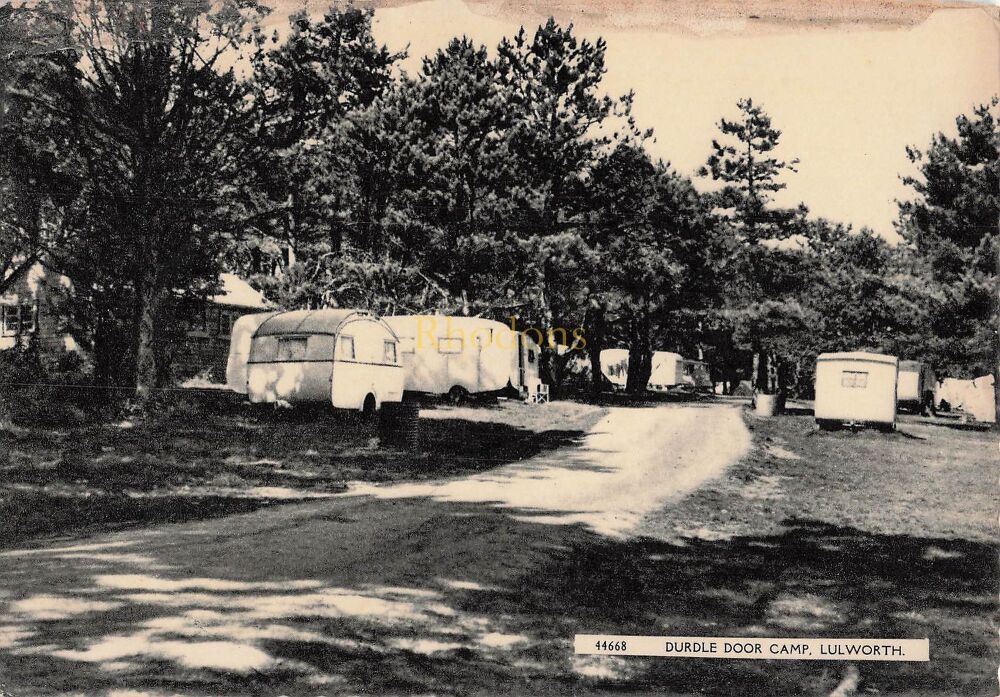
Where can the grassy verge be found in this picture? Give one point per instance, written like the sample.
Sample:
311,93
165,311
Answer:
813,534
211,460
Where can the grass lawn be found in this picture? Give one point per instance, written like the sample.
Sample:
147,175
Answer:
810,534
813,534
221,457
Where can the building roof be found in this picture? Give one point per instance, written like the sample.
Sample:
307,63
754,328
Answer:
236,291
325,321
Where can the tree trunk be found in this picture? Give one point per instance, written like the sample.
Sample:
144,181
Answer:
545,350
640,367
148,298
640,361
756,381
594,336
596,371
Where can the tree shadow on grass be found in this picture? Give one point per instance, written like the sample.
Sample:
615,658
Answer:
203,466
418,596
815,580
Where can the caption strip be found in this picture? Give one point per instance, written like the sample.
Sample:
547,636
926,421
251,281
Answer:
795,649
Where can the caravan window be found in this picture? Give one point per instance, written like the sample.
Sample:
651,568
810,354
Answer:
450,345
292,348
347,348
389,351
854,378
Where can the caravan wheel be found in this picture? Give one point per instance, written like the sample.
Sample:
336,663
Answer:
369,408
458,395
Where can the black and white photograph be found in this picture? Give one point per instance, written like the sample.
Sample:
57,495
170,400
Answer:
479,347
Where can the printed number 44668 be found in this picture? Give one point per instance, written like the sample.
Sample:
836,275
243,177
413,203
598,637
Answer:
611,646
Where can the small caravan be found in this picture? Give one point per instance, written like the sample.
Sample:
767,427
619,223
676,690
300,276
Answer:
614,367
667,372
458,356
697,376
239,349
347,358
915,385
856,388
670,371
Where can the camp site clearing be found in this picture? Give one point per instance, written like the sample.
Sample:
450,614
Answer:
472,564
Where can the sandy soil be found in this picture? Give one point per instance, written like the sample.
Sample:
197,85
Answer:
624,469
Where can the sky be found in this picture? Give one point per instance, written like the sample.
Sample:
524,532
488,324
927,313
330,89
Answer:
847,97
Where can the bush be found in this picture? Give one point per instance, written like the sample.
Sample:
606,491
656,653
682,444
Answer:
43,391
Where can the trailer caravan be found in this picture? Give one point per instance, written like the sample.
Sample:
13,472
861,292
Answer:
460,356
347,358
614,367
915,386
667,372
697,376
857,389
240,339
670,371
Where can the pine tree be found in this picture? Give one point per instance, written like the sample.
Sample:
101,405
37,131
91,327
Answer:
745,163
39,178
951,231
554,80
158,127
652,241
303,89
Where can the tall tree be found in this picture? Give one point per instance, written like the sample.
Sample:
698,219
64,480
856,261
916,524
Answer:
39,180
652,242
950,226
554,80
461,177
744,161
159,126
303,87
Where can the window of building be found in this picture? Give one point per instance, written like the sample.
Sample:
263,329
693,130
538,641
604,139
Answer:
389,351
292,348
854,378
450,345
347,348
17,319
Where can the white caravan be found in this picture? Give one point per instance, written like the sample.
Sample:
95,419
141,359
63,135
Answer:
856,388
458,356
915,385
614,367
347,358
670,371
667,372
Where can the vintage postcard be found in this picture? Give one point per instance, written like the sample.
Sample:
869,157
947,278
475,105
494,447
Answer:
479,347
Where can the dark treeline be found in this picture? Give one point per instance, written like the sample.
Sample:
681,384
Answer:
146,146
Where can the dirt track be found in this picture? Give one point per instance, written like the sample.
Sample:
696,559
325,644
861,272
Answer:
379,589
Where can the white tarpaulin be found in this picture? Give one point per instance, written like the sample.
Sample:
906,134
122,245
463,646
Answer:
974,397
